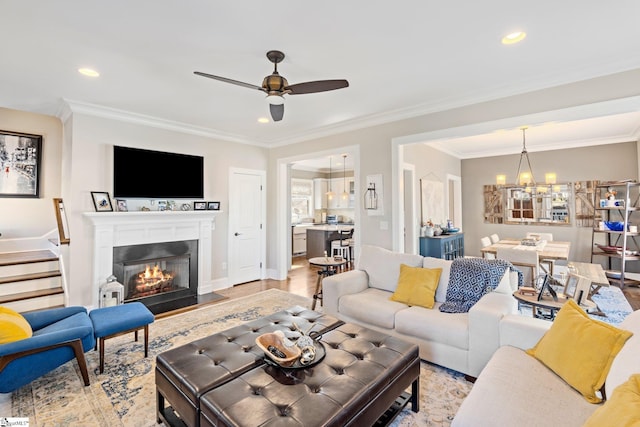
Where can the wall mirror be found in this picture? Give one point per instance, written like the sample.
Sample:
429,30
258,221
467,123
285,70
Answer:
543,204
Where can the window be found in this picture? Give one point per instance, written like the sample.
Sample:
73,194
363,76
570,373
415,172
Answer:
301,199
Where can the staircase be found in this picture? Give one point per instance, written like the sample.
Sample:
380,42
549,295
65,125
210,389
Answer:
31,280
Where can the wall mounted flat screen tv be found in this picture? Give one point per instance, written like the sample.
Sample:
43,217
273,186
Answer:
151,174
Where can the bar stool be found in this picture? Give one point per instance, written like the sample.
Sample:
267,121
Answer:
343,246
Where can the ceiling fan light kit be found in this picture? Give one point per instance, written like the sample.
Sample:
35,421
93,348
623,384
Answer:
275,86
275,99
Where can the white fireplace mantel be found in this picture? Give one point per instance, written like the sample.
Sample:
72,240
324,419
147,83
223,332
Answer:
113,229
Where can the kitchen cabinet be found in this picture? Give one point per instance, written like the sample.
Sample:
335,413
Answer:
320,188
446,246
299,240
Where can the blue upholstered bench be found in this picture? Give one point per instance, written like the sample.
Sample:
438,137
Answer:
109,322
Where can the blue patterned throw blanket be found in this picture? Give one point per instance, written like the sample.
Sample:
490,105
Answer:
471,278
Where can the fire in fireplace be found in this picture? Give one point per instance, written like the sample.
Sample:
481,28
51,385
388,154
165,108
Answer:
150,281
157,273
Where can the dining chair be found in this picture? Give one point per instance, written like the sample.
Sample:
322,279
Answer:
546,237
494,238
524,260
485,241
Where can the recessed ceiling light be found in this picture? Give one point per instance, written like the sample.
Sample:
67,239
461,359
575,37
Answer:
263,120
512,38
88,72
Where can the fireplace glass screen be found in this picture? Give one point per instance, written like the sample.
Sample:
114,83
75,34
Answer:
150,277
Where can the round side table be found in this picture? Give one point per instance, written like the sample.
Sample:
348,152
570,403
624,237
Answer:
328,268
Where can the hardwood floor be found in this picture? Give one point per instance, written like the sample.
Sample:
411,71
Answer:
301,280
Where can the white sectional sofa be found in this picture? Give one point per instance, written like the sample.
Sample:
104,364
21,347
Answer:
461,341
515,389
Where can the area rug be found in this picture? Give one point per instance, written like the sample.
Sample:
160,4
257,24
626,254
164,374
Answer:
125,394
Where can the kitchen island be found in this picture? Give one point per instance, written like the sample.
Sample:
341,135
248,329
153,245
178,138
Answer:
319,238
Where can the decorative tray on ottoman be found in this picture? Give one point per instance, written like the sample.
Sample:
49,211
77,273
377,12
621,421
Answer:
287,356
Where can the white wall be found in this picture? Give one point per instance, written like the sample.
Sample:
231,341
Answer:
22,217
91,159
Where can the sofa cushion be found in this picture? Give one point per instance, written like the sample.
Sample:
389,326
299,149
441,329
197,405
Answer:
372,306
622,408
432,325
580,350
417,286
515,389
13,326
383,266
443,283
627,361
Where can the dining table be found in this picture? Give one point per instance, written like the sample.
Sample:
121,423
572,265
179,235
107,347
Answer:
547,250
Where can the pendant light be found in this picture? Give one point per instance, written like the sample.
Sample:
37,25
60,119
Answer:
345,194
330,193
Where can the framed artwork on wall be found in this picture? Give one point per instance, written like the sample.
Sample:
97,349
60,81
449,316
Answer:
20,160
101,201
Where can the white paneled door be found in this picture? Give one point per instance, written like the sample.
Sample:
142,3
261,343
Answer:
247,251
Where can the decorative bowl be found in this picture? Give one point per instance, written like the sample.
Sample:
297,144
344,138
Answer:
609,249
614,225
451,230
273,346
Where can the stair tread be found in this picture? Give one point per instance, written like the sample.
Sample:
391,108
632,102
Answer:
30,295
30,276
26,257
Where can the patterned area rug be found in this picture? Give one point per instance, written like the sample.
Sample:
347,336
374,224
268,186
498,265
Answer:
125,394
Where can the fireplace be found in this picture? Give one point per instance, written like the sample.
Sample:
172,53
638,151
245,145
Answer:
160,275
121,229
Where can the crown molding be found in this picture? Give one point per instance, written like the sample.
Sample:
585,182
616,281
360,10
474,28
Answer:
79,107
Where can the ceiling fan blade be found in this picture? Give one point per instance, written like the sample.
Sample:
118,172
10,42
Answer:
317,86
277,112
226,80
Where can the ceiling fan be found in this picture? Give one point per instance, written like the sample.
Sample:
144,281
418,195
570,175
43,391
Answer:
275,86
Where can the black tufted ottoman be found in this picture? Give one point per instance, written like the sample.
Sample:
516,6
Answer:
185,373
361,377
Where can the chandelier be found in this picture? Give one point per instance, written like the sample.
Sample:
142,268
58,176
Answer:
525,177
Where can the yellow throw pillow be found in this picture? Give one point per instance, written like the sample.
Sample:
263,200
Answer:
13,326
417,286
621,410
579,349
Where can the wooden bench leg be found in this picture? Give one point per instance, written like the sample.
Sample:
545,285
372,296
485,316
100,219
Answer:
146,341
101,354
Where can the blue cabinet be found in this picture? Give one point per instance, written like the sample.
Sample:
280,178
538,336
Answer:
447,246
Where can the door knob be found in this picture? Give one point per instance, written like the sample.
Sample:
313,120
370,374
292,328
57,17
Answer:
236,233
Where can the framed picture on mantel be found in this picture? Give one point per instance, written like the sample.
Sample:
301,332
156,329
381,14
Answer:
101,201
